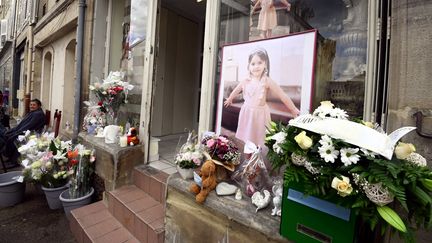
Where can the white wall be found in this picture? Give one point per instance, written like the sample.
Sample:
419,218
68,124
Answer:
58,72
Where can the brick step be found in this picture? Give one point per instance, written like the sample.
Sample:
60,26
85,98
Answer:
138,212
94,223
152,181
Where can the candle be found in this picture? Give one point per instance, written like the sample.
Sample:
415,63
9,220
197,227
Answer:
123,141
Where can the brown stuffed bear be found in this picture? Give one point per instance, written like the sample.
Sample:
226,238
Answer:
208,178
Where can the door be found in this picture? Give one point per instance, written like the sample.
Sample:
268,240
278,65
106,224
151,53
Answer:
177,72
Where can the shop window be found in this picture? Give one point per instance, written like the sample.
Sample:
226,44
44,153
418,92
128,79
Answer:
340,68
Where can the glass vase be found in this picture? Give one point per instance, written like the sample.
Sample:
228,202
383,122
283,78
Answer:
111,117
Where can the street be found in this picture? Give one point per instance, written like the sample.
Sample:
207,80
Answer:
32,221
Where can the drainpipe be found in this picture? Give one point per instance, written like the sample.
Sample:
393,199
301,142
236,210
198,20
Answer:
79,52
29,68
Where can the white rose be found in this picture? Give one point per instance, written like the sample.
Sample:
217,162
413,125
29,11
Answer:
303,140
343,186
403,150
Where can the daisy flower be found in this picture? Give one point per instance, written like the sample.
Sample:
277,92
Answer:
328,153
349,156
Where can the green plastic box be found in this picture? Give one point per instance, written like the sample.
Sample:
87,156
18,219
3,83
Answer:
310,219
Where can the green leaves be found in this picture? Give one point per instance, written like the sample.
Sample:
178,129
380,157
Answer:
392,218
427,183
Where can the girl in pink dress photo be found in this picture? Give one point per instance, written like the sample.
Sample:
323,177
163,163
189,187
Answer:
267,19
254,114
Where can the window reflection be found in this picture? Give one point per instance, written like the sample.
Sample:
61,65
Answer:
138,16
341,49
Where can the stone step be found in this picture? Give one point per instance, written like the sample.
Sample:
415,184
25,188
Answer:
94,223
138,212
134,213
152,181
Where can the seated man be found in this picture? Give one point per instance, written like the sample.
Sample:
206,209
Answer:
33,121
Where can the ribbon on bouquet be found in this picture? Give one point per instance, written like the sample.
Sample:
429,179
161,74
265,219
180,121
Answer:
229,167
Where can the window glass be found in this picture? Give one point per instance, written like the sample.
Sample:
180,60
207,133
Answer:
341,42
132,60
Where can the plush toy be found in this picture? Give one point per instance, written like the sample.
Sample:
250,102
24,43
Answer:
132,137
208,178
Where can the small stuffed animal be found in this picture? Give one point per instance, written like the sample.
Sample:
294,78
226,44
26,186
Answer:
208,177
132,138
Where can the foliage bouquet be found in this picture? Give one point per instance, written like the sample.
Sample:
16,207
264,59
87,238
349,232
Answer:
190,155
81,168
352,164
111,94
222,151
43,158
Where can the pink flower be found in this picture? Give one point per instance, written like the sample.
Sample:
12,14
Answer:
210,143
223,139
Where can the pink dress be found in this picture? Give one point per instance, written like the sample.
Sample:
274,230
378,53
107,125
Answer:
267,16
254,114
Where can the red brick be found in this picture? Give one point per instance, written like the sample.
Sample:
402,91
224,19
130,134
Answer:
122,190
142,204
155,237
158,224
152,214
76,229
91,208
132,195
141,230
155,189
119,235
94,218
102,228
161,177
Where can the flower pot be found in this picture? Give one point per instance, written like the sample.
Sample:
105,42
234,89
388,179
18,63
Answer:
52,195
185,173
73,203
11,191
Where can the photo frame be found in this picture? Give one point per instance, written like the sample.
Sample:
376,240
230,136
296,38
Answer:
290,64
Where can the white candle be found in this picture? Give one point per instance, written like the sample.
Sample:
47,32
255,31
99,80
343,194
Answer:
123,141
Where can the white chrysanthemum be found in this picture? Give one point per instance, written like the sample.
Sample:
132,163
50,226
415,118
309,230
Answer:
416,159
368,153
338,113
326,140
349,156
322,111
328,153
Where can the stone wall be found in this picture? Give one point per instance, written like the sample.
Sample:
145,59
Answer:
410,75
220,219
410,69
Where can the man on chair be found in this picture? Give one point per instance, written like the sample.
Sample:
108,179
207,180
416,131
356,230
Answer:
33,121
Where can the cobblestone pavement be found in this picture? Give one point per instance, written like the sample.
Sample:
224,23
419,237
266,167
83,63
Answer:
32,221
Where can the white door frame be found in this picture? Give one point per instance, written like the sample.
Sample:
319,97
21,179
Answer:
209,65
147,86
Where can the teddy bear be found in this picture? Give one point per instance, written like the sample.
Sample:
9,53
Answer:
132,137
208,180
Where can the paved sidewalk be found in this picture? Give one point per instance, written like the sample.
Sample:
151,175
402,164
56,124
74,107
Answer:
33,222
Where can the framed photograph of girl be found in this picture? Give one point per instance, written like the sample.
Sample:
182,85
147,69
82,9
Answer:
263,81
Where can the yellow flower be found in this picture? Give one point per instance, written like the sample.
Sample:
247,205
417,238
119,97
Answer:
343,186
403,150
327,104
368,124
303,140
36,165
